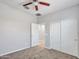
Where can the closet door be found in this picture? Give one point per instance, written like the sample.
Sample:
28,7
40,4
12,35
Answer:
55,40
69,37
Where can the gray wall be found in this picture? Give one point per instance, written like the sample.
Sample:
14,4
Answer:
14,29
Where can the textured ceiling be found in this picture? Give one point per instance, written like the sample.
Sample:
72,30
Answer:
55,5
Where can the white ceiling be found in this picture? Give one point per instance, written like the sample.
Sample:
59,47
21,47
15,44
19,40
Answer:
55,5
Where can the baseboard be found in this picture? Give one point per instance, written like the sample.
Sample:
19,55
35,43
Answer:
12,51
65,52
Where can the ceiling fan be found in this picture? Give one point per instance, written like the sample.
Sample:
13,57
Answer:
35,3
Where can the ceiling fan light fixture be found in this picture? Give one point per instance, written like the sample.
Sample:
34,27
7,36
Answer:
38,14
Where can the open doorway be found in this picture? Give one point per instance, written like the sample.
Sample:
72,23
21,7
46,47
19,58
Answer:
37,35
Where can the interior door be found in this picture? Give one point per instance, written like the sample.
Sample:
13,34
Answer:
69,37
35,34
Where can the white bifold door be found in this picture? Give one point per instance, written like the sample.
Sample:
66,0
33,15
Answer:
69,37
63,36
55,40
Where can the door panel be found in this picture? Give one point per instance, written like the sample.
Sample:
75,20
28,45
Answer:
55,36
69,36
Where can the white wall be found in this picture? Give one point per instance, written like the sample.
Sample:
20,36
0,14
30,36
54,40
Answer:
65,14
68,13
14,29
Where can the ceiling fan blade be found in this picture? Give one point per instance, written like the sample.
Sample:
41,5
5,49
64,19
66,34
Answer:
26,7
36,7
44,3
27,4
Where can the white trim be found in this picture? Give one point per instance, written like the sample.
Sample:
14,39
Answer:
12,51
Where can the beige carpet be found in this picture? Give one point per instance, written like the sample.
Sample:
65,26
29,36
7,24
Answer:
38,53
